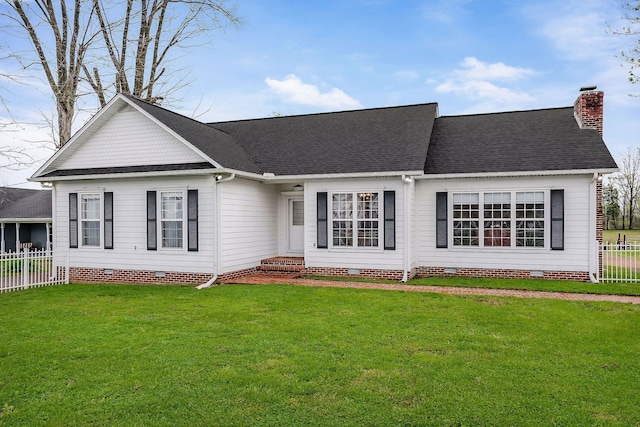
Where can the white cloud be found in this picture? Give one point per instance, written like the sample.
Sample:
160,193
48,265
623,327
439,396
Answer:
478,70
296,91
475,78
576,28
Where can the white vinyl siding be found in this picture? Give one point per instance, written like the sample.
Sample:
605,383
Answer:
248,223
574,257
129,138
130,226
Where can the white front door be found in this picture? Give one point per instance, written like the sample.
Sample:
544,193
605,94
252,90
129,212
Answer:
295,225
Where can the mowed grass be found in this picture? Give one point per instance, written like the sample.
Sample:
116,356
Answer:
234,355
611,236
622,288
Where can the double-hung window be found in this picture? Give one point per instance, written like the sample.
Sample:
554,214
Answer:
530,219
499,219
466,219
355,219
172,219
90,219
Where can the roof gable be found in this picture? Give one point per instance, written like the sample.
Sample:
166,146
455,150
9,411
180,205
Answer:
215,144
129,138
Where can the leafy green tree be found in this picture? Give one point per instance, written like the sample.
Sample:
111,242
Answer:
610,206
627,182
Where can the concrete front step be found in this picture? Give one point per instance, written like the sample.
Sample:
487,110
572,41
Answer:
282,265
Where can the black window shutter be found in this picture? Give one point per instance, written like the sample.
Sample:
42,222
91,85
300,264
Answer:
390,220
441,220
322,220
192,217
152,232
73,220
557,219
108,220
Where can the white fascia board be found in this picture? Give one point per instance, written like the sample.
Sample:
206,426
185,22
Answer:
24,220
267,179
126,175
210,171
516,174
175,135
283,179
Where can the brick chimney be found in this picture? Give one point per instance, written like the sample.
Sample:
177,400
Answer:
588,108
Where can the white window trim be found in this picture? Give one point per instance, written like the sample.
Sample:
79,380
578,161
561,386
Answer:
160,246
81,220
513,219
380,220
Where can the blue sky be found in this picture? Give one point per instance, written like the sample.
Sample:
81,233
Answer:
298,57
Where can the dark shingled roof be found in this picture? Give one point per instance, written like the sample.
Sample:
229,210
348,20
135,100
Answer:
22,203
538,140
372,140
391,139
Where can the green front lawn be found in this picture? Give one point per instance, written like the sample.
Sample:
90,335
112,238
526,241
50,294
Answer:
105,355
611,236
517,284
533,285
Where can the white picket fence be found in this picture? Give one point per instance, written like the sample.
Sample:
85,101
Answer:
620,262
31,268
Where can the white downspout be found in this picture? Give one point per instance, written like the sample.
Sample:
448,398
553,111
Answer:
216,238
407,228
593,242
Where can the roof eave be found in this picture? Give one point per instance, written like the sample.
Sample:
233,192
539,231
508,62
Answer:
25,220
283,179
126,175
518,173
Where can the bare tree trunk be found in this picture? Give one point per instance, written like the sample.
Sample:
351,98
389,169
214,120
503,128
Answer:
158,26
70,48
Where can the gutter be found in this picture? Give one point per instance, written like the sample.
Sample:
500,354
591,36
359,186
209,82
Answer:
517,174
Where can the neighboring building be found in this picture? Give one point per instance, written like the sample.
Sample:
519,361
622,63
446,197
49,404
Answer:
25,219
142,194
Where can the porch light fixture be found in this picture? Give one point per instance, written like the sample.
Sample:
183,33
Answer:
298,187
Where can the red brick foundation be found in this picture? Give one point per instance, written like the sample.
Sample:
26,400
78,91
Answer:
228,277
101,275
106,275
576,276
369,273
